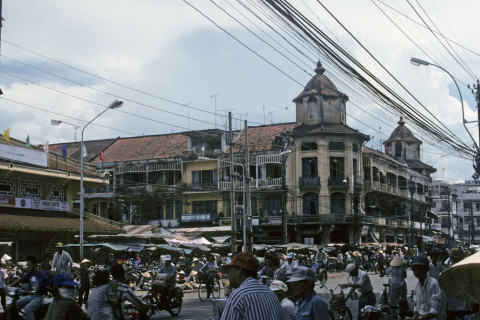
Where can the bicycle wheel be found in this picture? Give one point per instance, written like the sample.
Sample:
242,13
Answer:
384,299
323,276
348,314
334,314
177,306
216,289
202,292
331,267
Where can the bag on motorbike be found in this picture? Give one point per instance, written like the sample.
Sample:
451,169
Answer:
339,302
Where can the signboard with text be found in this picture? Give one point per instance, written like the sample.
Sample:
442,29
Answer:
21,154
196,217
50,205
7,202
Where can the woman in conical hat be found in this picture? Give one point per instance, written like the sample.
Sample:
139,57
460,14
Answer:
398,287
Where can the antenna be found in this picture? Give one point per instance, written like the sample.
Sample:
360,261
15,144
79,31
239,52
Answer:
188,113
215,96
263,114
226,117
271,115
75,134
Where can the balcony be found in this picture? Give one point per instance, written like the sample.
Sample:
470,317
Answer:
106,189
308,182
339,182
358,182
254,183
321,219
269,220
205,186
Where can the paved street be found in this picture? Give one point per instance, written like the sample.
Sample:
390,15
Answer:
193,308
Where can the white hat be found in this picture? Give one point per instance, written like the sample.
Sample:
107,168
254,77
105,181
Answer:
397,262
290,255
167,257
350,268
6,257
229,254
194,259
278,285
456,281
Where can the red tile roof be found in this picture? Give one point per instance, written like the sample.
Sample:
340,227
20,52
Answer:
37,220
73,148
261,138
147,147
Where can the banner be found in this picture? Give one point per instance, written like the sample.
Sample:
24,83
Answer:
365,230
50,205
7,202
23,203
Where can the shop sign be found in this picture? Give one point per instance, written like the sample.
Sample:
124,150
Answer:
8,236
30,236
7,202
23,203
365,230
50,205
436,226
196,217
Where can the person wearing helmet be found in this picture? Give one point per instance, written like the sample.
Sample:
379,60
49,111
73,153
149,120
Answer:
290,266
63,305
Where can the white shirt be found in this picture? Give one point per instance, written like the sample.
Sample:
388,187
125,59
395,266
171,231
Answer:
62,262
289,267
429,298
288,307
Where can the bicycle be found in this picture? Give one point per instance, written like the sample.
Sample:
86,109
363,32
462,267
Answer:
384,301
320,272
337,304
202,288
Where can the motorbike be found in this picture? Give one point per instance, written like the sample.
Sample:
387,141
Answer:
172,295
15,294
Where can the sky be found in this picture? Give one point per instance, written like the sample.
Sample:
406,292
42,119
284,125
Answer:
69,60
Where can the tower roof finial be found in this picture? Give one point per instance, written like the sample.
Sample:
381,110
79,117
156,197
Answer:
319,69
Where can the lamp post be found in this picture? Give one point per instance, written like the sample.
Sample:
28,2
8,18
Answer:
418,62
411,188
114,105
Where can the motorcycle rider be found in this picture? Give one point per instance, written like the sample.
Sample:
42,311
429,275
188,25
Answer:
168,285
38,287
124,292
321,258
290,266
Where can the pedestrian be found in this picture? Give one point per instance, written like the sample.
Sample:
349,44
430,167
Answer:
362,283
397,285
62,262
380,261
269,269
290,266
84,282
311,305
429,300
280,290
63,305
463,282
278,272
436,268
357,258
339,265
37,281
251,299
456,307
210,273
3,277
45,265
98,307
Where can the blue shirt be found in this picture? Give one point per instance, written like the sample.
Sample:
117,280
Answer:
36,278
313,307
398,276
253,301
171,270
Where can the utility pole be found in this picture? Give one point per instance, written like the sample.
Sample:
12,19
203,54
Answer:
232,189
284,201
449,221
247,205
215,96
472,225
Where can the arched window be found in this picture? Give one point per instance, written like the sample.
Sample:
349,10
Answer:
274,205
334,145
398,149
337,203
310,203
312,110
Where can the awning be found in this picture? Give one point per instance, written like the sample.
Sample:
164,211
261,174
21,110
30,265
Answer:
111,246
441,240
432,214
221,239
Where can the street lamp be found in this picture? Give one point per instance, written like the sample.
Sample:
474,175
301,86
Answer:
114,105
418,62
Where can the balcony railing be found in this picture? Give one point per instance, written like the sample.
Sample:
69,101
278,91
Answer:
277,182
338,181
254,183
106,189
309,181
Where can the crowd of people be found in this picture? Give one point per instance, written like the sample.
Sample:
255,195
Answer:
448,284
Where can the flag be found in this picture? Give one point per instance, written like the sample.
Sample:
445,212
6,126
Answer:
27,142
101,155
84,153
64,150
45,147
6,135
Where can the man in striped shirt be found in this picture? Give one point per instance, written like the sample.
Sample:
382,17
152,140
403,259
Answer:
250,299
124,292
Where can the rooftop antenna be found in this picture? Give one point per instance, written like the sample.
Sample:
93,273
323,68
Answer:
188,113
226,117
215,96
263,114
271,116
75,134
239,115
